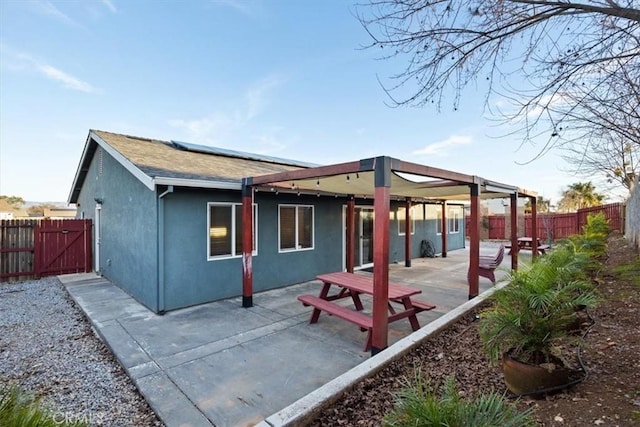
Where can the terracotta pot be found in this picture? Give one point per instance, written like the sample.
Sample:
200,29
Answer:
524,378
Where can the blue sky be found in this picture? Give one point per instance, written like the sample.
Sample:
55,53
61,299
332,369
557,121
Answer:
286,78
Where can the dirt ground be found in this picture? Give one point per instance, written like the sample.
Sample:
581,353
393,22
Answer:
610,396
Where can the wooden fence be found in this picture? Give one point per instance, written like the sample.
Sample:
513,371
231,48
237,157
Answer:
35,248
555,226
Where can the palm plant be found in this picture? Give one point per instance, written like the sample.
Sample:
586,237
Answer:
535,312
593,239
19,409
419,405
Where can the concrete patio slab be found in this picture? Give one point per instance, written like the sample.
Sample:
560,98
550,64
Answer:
224,365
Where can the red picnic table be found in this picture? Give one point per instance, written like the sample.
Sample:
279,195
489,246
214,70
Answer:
526,244
352,285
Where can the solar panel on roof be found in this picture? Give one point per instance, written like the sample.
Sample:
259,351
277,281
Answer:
206,149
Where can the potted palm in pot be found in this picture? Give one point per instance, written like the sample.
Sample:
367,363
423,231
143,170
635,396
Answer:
528,328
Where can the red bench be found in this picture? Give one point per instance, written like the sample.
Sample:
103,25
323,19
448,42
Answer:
365,322
526,244
421,305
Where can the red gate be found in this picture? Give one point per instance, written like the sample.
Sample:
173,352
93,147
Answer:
62,247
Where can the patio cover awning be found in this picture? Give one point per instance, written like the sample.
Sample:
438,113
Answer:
406,180
383,179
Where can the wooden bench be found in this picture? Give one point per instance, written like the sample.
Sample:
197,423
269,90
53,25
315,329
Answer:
421,305
541,248
362,320
488,265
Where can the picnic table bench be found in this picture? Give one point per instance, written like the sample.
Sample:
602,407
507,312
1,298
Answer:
526,244
353,285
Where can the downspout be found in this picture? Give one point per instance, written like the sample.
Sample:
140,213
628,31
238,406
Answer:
161,284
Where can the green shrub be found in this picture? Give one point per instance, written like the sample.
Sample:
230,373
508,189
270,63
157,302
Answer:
533,314
418,405
597,225
593,240
19,409
630,272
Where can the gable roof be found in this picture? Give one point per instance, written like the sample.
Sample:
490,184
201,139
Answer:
155,162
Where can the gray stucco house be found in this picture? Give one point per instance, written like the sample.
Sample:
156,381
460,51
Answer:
167,221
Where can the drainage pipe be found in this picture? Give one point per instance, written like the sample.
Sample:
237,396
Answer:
160,257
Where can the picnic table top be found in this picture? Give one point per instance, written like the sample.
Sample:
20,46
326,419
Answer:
526,239
364,284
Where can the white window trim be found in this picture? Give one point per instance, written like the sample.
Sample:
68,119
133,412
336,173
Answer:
234,206
454,218
413,221
439,223
313,229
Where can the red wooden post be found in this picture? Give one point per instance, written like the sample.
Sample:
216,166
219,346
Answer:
514,231
247,243
534,227
381,255
407,233
444,229
474,242
350,243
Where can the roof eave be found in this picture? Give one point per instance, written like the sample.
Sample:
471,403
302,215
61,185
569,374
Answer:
81,171
198,183
85,161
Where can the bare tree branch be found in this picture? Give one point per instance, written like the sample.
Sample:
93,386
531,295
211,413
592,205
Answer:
570,69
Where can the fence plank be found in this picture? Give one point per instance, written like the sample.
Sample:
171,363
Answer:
16,249
35,248
555,226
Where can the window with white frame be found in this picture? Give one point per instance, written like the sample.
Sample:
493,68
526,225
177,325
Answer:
401,216
224,222
454,220
438,220
295,227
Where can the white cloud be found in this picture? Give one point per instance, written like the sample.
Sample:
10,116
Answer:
256,96
67,80
441,148
20,61
238,124
518,106
211,130
245,7
110,6
46,8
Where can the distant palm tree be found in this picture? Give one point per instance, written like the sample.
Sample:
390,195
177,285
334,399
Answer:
542,205
578,196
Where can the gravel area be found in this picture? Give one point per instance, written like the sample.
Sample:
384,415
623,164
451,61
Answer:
49,349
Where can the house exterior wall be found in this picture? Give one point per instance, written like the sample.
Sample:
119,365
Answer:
128,227
425,229
189,278
156,248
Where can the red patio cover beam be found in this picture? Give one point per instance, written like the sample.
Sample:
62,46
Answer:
350,242
247,243
514,231
382,198
534,227
474,241
407,233
317,172
444,229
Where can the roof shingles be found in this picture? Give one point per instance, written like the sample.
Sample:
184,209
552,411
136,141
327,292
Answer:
161,159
